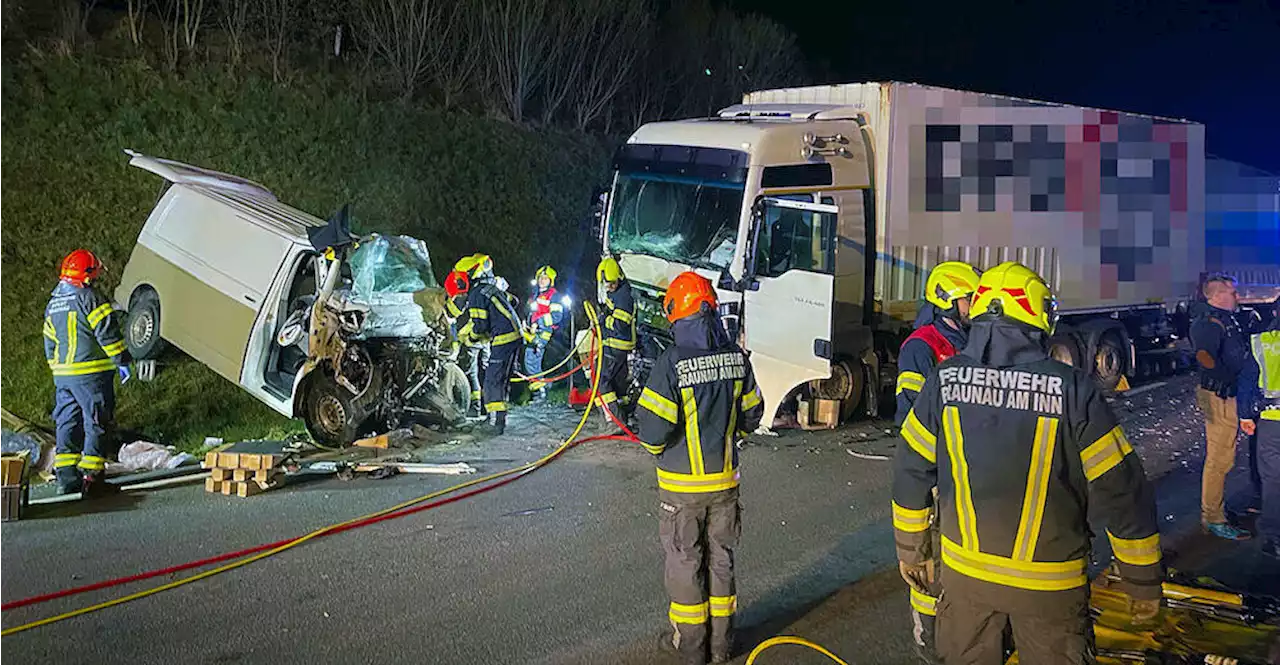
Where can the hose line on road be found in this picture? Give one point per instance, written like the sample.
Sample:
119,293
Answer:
399,510
788,639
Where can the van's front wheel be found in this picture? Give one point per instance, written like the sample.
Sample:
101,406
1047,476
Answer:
142,326
330,413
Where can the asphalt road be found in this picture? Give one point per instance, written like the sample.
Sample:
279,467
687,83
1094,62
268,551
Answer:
562,566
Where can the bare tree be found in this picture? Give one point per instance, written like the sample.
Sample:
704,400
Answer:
571,24
460,55
192,17
73,25
614,38
171,29
275,20
519,41
405,34
233,17
136,11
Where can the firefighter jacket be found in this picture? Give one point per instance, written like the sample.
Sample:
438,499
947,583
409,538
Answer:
545,314
81,334
927,346
1258,389
1222,351
1024,453
700,396
620,318
492,316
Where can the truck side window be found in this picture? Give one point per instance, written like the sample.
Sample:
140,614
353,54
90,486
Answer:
796,240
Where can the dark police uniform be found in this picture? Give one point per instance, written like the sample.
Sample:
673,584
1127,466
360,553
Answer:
1222,351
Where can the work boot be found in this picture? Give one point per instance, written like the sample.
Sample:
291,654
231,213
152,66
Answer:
1227,531
69,480
500,422
95,485
1271,548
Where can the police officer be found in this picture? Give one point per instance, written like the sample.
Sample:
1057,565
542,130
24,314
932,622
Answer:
1023,451
85,349
700,398
619,336
492,318
545,314
941,330
1258,403
1221,352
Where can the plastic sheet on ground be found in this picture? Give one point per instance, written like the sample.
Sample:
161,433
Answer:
147,456
39,454
391,264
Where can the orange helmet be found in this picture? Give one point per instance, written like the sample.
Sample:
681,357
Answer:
456,283
80,267
685,296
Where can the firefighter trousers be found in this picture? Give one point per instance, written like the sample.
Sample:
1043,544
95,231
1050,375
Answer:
533,355
1269,472
83,417
924,622
497,375
699,533
1053,630
615,379
1220,427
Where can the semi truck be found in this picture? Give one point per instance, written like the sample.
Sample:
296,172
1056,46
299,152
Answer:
818,212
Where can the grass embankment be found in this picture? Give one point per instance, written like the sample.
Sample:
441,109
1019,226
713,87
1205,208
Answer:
460,182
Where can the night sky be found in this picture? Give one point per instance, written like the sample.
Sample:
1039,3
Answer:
1212,62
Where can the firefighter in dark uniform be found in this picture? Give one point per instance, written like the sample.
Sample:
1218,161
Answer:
700,398
85,350
468,351
619,325
1222,352
493,318
941,331
1023,451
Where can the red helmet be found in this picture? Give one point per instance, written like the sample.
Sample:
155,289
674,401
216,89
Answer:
80,267
457,283
685,296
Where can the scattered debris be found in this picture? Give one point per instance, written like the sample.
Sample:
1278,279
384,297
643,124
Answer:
530,511
147,456
870,456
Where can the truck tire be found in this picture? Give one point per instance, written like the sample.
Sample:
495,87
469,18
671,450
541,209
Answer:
1065,348
142,326
1111,360
330,412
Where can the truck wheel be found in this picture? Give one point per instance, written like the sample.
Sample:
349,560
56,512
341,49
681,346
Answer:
330,412
142,326
1110,360
1064,348
453,396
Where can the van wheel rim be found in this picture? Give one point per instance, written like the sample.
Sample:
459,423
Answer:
141,328
331,414
1108,361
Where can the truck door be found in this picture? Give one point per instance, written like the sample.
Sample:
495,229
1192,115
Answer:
790,293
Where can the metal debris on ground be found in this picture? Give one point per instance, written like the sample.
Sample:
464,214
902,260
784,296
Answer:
530,511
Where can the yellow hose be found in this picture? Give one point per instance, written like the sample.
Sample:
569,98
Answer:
788,639
595,381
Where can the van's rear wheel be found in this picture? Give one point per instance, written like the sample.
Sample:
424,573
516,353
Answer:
330,412
142,326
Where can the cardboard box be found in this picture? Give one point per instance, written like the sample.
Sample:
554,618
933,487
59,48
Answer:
13,470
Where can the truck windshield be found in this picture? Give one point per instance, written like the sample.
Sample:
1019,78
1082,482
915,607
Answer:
687,220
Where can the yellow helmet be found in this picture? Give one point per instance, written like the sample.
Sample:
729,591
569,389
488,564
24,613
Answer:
609,270
476,265
949,282
1015,292
548,271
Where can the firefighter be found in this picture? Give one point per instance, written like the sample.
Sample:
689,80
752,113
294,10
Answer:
619,337
1024,453
85,350
469,350
492,319
545,314
941,330
700,398
1222,351
1258,403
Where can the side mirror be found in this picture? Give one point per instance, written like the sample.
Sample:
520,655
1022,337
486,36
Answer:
753,242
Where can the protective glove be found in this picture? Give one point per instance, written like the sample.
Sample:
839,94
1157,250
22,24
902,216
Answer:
125,374
1248,426
1144,611
918,576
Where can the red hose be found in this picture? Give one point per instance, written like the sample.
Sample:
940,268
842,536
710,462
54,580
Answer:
107,584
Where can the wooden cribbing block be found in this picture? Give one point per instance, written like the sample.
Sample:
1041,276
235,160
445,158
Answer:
212,485
210,461
258,462
228,460
246,475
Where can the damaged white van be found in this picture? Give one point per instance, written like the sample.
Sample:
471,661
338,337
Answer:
349,336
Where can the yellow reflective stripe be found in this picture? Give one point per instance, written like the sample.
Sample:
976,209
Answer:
1136,552
692,435
72,323
660,406
495,406
557,307
1104,454
920,439
913,381
49,330
690,484
656,450
723,606
478,313
911,520
547,320
1271,414
606,398
690,614
621,345
752,399
623,315
732,430
1266,350
505,338
924,603
93,463
81,368
114,349
1037,492
99,313
1033,575
64,460
968,518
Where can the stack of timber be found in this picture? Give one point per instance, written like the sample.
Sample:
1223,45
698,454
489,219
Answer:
243,474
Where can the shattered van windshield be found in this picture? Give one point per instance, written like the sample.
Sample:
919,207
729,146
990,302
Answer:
688,220
391,264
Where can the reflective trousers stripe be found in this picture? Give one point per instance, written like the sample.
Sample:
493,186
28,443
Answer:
93,463
924,603
692,614
495,406
723,606
63,460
